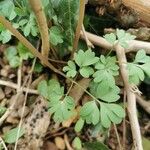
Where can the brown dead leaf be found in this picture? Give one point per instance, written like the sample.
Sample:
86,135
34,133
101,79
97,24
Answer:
76,93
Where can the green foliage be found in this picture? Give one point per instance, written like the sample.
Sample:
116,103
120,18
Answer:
95,146
11,136
38,67
11,55
55,36
7,9
90,113
104,92
84,60
121,37
67,13
77,144
70,69
79,125
24,52
60,104
63,14
139,67
2,110
15,55
106,114
111,113
62,109
102,87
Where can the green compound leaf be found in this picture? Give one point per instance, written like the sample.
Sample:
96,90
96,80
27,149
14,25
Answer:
55,91
11,136
111,113
90,113
86,58
70,69
106,70
104,92
55,36
62,110
121,36
139,67
136,73
141,57
30,27
51,90
86,71
111,38
124,37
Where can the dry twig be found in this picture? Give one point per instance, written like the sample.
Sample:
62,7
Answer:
143,103
42,25
131,98
134,45
79,26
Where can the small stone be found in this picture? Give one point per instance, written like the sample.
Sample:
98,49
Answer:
50,146
12,120
6,129
26,111
2,95
60,143
4,72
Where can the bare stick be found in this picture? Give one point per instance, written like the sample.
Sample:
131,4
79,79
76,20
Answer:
3,143
79,26
15,86
88,43
143,103
67,142
118,138
124,120
42,25
131,98
25,100
134,45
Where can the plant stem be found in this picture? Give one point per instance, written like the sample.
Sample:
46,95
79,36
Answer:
79,26
37,8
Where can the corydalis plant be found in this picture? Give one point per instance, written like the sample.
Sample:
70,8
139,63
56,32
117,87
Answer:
60,104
